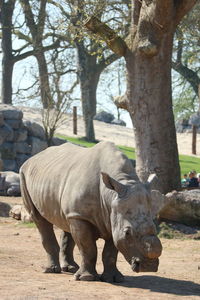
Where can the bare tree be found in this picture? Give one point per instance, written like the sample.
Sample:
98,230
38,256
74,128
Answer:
92,56
9,55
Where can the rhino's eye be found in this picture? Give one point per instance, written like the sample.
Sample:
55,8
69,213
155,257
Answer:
127,232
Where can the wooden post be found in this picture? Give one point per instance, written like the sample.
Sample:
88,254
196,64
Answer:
74,120
194,138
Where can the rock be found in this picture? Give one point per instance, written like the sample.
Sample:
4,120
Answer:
57,141
4,209
8,150
20,135
10,165
34,129
37,145
10,112
15,124
6,132
21,158
183,208
104,116
195,119
23,148
9,183
1,119
118,122
19,212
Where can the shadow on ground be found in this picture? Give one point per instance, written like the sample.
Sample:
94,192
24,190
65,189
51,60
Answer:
163,285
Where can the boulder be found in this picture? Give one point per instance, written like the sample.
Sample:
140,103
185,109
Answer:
37,145
184,208
10,165
23,148
4,209
1,119
20,135
19,212
21,158
104,116
15,124
34,129
57,141
10,112
9,183
8,150
118,122
6,132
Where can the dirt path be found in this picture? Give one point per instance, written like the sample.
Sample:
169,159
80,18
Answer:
22,258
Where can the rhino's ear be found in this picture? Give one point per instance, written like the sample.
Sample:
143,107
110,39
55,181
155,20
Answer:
158,201
113,184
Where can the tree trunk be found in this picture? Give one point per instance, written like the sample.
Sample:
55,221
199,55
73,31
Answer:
150,107
7,57
148,52
45,92
194,139
88,96
89,76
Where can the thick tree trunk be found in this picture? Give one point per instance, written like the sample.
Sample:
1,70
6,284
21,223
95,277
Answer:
150,107
7,57
148,52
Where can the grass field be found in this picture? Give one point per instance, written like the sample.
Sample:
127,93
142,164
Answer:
187,163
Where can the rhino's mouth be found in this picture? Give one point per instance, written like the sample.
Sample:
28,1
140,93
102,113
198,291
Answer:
144,265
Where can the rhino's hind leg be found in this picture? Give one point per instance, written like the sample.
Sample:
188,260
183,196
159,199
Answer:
66,253
49,243
109,258
84,237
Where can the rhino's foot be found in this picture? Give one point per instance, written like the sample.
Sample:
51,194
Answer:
52,269
112,276
86,276
70,268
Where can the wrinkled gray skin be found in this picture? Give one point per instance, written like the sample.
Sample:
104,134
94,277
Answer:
69,186
9,184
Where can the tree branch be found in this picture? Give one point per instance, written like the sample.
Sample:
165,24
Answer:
136,12
191,76
29,17
42,15
114,42
182,8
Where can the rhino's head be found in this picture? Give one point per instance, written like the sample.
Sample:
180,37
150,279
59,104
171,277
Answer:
133,229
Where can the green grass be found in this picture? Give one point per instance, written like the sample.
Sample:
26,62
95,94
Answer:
187,163
79,141
28,225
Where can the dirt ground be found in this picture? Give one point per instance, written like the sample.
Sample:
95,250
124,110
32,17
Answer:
22,258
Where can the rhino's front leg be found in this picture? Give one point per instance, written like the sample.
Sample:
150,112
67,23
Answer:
83,235
66,253
109,258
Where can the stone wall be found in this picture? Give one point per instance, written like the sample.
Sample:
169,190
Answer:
19,140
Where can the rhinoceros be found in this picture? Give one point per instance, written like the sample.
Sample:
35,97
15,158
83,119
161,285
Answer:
91,193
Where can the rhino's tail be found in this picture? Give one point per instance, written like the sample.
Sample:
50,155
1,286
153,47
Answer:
28,203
